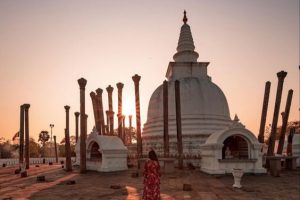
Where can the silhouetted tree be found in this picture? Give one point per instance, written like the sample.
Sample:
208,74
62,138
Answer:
43,138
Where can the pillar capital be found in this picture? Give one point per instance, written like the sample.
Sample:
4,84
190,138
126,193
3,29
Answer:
67,108
109,89
82,83
136,79
76,114
281,74
26,106
123,117
93,95
99,91
120,85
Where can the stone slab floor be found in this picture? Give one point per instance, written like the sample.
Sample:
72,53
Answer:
93,185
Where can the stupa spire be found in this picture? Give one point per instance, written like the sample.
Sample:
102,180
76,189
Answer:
185,47
184,17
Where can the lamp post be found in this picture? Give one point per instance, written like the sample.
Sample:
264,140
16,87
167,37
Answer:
51,126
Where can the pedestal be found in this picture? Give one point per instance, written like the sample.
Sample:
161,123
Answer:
290,162
237,175
275,165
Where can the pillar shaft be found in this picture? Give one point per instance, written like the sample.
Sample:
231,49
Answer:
166,119
136,79
281,75
100,110
261,135
107,122
21,135
67,141
120,87
109,90
130,129
178,124
56,157
76,125
285,121
96,112
26,112
83,134
123,134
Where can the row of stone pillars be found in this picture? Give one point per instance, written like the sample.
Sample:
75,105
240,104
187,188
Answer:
281,76
99,116
24,131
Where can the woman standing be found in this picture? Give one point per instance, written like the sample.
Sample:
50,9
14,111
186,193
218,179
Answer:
151,178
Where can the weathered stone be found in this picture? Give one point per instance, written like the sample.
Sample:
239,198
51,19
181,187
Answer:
187,187
40,178
23,174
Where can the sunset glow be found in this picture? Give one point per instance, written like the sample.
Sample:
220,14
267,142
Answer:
47,45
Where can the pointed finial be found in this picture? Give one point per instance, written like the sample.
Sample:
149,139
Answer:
184,17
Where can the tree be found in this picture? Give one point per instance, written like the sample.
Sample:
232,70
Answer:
34,149
43,138
61,147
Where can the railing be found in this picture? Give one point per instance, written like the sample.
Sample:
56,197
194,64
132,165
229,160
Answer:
15,161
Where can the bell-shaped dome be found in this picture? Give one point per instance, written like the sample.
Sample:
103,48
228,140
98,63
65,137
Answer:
199,97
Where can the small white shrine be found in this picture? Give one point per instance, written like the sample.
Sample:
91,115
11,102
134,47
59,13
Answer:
232,148
103,153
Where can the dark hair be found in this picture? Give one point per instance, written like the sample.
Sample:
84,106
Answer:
152,155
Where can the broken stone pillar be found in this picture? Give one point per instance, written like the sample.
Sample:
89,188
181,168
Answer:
67,142
109,90
261,135
166,119
281,75
107,122
285,121
136,79
56,157
178,124
100,110
120,87
95,109
130,128
83,134
76,125
21,135
26,113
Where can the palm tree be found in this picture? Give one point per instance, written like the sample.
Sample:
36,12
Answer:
43,138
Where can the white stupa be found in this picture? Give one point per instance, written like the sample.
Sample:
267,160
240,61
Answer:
204,108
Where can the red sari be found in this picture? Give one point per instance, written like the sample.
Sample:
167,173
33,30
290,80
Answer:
151,180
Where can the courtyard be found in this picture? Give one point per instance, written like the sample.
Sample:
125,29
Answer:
124,186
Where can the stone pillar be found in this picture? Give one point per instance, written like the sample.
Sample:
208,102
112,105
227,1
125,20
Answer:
109,90
95,109
26,108
261,135
166,119
285,121
67,140
107,122
124,138
136,79
120,87
100,110
76,125
281,75
178,124
130,129
56,157
21,134
82,83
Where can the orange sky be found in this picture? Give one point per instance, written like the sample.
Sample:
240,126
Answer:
45,46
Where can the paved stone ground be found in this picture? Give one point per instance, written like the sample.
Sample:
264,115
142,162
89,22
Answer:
93,185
